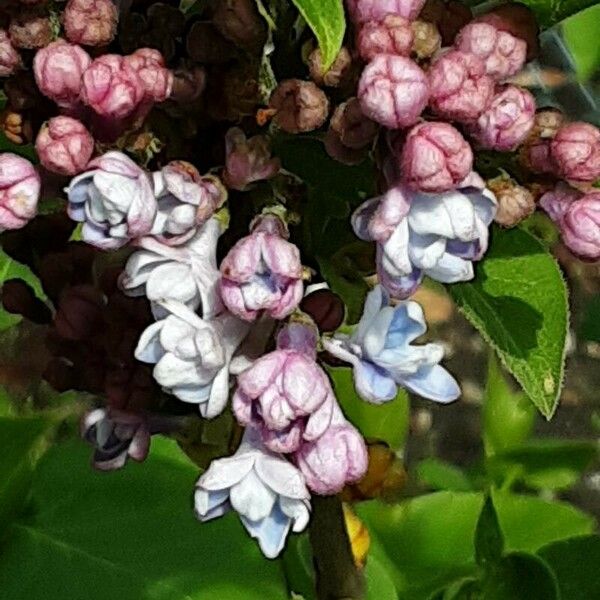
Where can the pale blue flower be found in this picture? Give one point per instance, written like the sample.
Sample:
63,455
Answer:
383,357
267,492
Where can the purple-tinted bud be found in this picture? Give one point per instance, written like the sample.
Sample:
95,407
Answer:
262,272
10,60
337,74
353,128
90,22
301,106
362,11
426,39
576,152
506,123
335,459
240,22
390,35
19,191
515,202
285,394
150,66
30,28
502,53
79,313
435,157
459,87
112,87
64,146
247,160
578,218
325,308
393,91
58,69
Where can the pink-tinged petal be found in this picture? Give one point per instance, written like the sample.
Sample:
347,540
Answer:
304,384
283,441
275,410
262,374
241,404
232,297
242,261
320,420
289,301
281,257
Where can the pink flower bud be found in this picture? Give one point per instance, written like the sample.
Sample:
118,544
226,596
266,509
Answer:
393,91
391,35
112,87
362,11
19,191
460,89
502,53
246,160
576,151
262,272
150,66
507,121
90,22
10,60
58,69
335,459
435,157
578,218
64,146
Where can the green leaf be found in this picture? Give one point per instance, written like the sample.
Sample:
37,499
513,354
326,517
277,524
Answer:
521,576
508,417
379,584
429,539
25,150
575,564
550,13
545,464
440,475
11,269
518,302
581,33
130,534
387,422
489,541
327,21
466,588
22,442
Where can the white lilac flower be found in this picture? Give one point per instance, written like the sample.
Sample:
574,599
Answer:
438,235
192,356
267,492
383,356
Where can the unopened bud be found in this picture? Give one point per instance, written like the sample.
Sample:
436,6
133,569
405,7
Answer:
90,22
449,16
18,298
30,28
240,22
515,202
337,74
188,84
354,129
15,128
325,308
426,39
10,60
390,35
301,106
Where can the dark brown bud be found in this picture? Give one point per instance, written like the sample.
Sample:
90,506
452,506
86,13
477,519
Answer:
22,92
233,93
426,39
326,309
30,28
15,128
343,154
546,123
188,84
18,298
354,129
301,106
337,74
79,313
240,22
515,202
204,44
450,17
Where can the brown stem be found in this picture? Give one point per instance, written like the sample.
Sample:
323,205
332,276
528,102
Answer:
337,576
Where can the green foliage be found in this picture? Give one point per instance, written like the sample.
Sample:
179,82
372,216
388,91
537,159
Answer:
489,541
544,464
581,33
11,269
334,190
575,563
518,301
130,534
508,417
25,150
387,422
440,475
327,21
550,13
430,539
22,442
